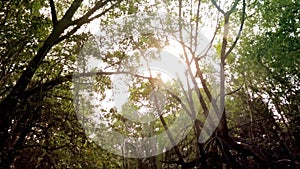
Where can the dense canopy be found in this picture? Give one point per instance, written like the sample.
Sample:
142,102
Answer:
208,84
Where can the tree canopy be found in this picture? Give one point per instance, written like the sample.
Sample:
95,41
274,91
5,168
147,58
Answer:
209,84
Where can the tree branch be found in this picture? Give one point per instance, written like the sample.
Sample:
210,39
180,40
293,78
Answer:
217,6
71,11
232,92
233,7
85,19
59,80
206,50
240,30
53,13
230,10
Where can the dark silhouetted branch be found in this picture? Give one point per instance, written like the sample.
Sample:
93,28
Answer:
53,13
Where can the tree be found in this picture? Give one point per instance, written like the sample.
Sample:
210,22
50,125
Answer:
43,46
268,79
33,64
221,144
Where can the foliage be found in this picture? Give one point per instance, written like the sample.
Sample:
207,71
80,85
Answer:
41,46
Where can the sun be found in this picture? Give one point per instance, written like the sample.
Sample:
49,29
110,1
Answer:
174,47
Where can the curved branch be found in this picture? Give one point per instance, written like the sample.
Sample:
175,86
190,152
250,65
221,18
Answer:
217,6
235,3
240,30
